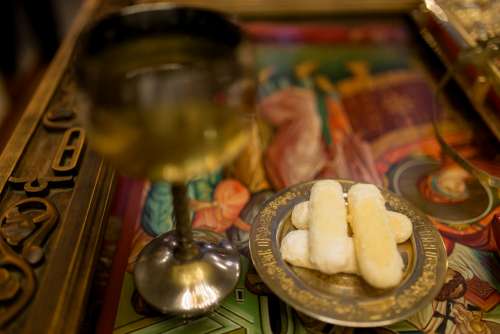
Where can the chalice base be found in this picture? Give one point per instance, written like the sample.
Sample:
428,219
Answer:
187,287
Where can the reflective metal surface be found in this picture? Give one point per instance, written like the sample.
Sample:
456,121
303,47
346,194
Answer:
187,287
345,299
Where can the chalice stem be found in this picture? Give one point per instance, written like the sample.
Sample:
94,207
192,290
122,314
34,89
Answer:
186,249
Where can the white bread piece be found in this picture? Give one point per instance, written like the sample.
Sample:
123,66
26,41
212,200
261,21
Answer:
295,250
379,261
328,239
300,215
401,226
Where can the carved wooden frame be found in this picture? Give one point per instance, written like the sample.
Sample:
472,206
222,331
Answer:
54,198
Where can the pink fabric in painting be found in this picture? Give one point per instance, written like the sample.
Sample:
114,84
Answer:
297,152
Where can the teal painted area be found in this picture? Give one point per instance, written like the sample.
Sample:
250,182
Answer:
157,213
331,59
202,189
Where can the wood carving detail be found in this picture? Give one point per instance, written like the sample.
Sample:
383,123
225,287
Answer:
65,165
26,225
60,118
69,151
61,115
40,186
24,229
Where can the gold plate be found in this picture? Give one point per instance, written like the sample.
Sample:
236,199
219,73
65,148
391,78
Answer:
345,299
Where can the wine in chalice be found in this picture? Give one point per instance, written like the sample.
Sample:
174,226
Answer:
167,96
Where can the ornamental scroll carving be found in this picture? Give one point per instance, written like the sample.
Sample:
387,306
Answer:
26,225
24,228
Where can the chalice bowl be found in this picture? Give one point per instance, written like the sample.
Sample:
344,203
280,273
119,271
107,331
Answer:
167,94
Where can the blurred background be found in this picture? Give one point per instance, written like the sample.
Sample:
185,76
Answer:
30,33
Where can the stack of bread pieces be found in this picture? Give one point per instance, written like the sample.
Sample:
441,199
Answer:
322,240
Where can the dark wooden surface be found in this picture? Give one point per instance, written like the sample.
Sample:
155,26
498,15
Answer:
54,197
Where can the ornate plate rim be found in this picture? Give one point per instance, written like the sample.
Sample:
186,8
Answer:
427,277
